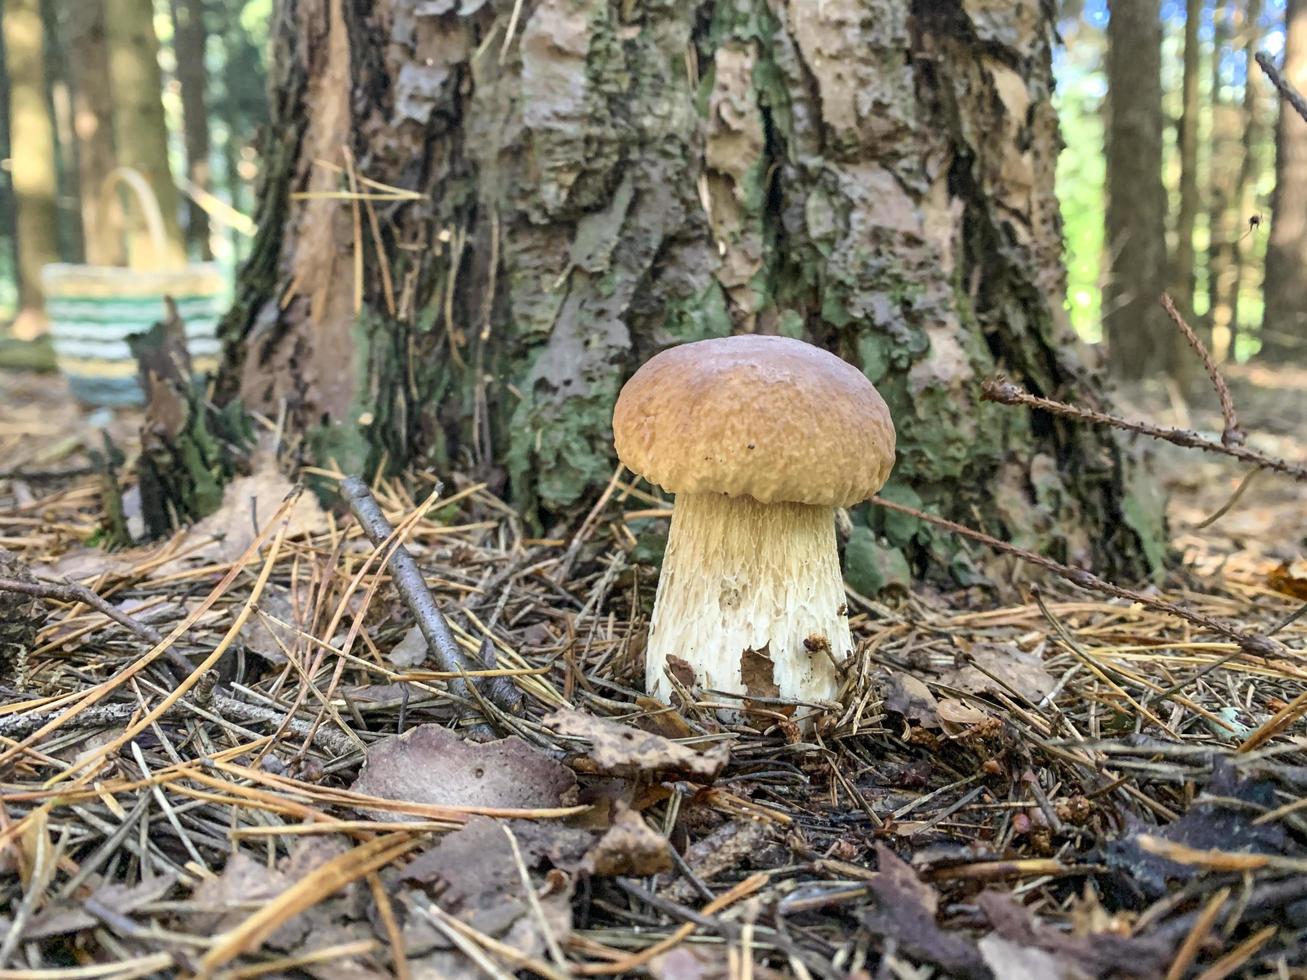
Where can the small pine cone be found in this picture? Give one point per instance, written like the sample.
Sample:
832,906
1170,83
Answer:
20,617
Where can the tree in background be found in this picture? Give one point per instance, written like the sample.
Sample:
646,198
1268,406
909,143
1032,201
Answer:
1139,342
93,126
189,40
1284,323
1245,188
606,179
1223,178
33,169
1183,262
140,129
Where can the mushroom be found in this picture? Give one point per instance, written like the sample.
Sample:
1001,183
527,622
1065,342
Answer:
760,438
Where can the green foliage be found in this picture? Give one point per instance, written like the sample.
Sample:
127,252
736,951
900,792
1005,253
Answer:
1082,179
870,567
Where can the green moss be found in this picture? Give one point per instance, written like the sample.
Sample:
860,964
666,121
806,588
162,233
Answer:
870,567
697,317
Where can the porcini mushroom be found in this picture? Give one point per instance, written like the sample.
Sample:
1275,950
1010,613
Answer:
760,438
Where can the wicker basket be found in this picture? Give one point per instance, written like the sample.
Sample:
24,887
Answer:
93,309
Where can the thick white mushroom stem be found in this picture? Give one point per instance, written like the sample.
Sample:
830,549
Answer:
740,575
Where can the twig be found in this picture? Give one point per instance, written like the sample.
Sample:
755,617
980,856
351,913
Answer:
1291,94
97,716
73,592
412,588
331,741
1231,435
1006,393
1254,643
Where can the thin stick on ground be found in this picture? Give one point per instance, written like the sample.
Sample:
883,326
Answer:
1231,434
413,589
1005,392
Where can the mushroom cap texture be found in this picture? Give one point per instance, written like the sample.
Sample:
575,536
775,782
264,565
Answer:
766,417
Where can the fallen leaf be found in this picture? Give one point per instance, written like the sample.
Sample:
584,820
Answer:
910,697
430,764
725,849
247,503
1096,955
957,717
661,719
474,876
1290,578
1208,825
1012,961
66,917
410,651
756,670
263,633
997,669
245,884
629,848
904,910
618,749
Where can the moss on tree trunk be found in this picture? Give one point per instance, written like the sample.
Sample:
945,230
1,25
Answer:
597,180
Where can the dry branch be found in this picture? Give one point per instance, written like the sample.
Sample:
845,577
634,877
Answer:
413,589
1231,434
1006,393
1291,94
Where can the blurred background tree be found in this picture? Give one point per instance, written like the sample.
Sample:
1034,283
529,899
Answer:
173,88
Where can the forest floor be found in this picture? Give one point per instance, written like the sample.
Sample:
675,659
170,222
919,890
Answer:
1051,786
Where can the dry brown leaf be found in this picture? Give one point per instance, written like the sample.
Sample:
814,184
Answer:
725,849
998,669
477,879
910,697
1290,578
756,672
247,502
629,847
956,716
66,917
619,749
432,765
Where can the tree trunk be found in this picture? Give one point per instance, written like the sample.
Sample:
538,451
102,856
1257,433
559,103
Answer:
1140,342
189,41
1284,326
1183,264
33,166
140,131
1222,216
93,126
1245,188
7,208
594,181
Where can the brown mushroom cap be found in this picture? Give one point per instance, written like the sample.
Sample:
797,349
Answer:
768,417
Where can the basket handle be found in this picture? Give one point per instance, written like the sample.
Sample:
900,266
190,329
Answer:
145,199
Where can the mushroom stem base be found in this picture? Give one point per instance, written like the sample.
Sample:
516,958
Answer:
739,575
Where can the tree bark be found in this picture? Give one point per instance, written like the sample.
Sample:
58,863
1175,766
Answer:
190,37
1245,188
1140,341
140,130
1184,260
1284,324
33,167
93,127
593,181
